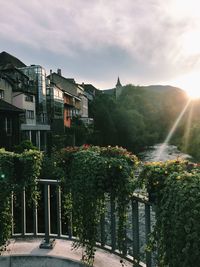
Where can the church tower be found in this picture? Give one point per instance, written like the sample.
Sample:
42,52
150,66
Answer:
118,88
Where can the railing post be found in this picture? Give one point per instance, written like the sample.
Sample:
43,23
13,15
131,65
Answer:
59,222
135,225
35,218
113,223
102,225
70,226
23,211
147,232
47,242
12,212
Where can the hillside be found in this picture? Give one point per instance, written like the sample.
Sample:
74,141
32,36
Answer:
163,88
140,117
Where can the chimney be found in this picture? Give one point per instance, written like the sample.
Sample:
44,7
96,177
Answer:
59,72
51,75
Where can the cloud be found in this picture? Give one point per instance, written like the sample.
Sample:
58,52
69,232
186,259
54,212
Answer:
142,40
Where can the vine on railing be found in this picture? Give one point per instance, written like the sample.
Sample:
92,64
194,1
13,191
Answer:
16,172
90,174
174,187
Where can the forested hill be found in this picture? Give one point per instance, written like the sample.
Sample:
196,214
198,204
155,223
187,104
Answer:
140,117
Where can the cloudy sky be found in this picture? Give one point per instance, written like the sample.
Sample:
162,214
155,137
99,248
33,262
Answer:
142,41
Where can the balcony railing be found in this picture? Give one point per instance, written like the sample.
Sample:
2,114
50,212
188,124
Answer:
46,220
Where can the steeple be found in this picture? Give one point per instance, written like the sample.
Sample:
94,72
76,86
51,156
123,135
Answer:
118,82
118,88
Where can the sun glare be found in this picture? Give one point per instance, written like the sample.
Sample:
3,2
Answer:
190,83
192,88
193,93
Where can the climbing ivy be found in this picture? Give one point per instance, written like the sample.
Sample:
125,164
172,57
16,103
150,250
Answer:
176,189
16,171
92,173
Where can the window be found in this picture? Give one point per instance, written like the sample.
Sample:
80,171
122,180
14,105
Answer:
8,125
29,98
1,94
29,114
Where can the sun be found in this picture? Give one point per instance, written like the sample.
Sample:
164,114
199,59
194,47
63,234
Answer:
190,83
193,93
192,87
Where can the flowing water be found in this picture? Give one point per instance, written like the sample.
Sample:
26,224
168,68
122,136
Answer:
169,152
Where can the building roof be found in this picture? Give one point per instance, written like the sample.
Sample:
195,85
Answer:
5,106
7,59
63,83
89,88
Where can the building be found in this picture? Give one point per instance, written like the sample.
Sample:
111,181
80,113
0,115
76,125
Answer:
10,115
118,88
5,88
9,125
115,92
35,127
75,101
55,107
49,103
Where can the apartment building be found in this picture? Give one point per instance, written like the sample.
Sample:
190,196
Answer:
36,126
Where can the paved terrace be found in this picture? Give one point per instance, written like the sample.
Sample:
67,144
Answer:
62,250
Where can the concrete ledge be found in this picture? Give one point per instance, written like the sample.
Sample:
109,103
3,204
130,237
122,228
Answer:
26,252
36,261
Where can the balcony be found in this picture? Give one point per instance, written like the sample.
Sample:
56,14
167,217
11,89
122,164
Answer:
41,236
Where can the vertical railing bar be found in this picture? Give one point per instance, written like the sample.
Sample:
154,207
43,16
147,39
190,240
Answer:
35,218
135,225
47,244
23,211
59,215
147,232
47,212
70,226
113,223
125,245
102,225
12,212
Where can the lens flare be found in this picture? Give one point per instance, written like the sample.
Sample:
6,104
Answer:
171,132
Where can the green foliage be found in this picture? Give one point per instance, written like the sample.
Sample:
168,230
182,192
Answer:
16,171
91,174
191,143
50,169
24,145
176,233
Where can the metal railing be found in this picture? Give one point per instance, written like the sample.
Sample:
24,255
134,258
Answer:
46,220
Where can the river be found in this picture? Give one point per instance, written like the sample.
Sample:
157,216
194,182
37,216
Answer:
170,152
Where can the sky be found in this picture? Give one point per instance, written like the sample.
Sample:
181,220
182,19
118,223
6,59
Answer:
94,41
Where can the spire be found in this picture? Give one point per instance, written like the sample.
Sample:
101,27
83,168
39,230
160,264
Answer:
118,82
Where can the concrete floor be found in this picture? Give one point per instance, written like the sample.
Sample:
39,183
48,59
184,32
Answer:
62,249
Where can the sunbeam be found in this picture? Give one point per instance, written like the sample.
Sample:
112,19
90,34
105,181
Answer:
187,129
171,132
